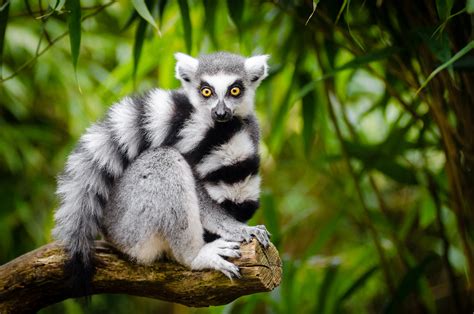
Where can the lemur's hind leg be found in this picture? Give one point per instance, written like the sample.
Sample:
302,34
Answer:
156,211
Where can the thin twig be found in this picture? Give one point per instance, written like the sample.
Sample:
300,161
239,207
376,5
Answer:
53,41
42,12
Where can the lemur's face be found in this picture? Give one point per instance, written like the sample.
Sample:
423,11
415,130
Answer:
223,84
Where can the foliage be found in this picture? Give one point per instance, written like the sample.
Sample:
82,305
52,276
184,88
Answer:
367,135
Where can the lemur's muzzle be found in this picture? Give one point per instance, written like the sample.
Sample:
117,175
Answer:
221,113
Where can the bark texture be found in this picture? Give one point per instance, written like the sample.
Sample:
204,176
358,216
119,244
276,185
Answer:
36,279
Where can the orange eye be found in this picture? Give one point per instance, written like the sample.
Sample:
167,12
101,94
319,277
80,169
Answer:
206,92
235,91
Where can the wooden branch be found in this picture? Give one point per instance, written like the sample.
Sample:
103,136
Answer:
36,279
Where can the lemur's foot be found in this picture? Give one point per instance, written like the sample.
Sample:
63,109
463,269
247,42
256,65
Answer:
211,257
245,234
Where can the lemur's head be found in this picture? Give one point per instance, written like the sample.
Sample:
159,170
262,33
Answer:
222,82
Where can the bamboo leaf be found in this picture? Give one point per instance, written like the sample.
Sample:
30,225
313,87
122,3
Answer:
56,5
74,25
236,10
272,217
396,171
328,280
142,9
161,9
133,16
408,284
210,7
361,61
444,8
324,234
4,9
470,6
315,6
448,63
138,45
308,113
188,34
357,284
341,10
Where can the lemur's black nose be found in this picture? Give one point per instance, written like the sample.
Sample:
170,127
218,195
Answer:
221,113
221,116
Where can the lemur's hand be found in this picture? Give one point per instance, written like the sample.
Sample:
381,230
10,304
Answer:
245,233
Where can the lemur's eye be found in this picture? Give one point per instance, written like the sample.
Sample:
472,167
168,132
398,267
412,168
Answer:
235,91
206,92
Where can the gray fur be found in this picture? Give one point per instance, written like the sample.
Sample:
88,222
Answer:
150,202
221,62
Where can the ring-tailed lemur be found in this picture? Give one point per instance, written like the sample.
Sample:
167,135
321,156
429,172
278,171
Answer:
162,168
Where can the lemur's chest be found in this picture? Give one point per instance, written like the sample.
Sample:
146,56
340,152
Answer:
209,146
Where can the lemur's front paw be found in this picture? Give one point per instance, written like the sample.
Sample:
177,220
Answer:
245,234
211,257
260,232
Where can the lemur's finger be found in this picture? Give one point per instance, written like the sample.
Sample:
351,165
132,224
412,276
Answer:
223,244
262,227
262,238
229,253
231,271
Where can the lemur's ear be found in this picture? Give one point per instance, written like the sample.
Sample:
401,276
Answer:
257,68
186,67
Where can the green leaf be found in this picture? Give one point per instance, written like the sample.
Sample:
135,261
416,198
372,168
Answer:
379,158
188,34
308,113
236,10
270,212
457,56
56,5
328,280
444,8
138,45
326,232
396,171
408,284
343,6
210,7
161,9
142,9
315,6
133,16
4,9
74,24
356,285
470,6
361,61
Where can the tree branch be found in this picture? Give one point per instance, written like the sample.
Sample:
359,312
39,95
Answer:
36,279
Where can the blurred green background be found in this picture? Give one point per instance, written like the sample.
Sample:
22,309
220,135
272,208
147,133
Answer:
368,136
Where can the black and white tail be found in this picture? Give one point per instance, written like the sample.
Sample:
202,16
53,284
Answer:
99,158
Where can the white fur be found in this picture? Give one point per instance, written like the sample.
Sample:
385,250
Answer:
210,256
246,190
85,175
194,130
123,119
220,82
186,65
150,250
99,145
158,113
257,65
246,107
238,148
194,229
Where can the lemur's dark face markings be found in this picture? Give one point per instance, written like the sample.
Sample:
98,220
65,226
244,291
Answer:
222,83
221,97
